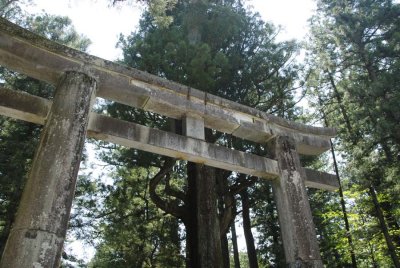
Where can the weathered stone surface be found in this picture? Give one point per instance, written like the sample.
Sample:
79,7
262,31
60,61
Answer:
177,146
193,127
121,132
321,180
45,60
21,105
37,235
297,228
36,255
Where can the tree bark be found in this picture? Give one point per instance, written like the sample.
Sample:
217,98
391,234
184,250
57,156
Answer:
225,251
192,258
236,259
209,242
222,211
251,249
202,223
202,226
384,228
277,248
37,237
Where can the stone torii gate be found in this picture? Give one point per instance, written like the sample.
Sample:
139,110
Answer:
37,236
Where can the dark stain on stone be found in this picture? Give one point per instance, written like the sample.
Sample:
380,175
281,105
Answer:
31,234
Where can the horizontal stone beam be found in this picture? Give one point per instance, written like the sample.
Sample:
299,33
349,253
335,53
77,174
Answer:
23,106
45,60
34,109
173,145
321,180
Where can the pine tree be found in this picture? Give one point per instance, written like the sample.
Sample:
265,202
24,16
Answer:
356,80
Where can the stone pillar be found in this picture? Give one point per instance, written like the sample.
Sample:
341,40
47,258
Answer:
37,236
193,127
297,228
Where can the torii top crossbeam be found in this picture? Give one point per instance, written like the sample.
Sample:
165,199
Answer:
46,60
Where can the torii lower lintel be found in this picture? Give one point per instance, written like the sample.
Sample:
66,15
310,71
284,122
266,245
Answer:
23,106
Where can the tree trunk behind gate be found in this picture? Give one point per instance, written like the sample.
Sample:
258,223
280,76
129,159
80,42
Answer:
248,235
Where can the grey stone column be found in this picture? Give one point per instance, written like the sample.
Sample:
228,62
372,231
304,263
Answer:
294,212
37,236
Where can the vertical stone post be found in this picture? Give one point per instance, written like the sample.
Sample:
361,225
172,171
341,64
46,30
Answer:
208,251
37,237
297,228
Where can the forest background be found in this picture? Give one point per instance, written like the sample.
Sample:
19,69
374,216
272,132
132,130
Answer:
349,75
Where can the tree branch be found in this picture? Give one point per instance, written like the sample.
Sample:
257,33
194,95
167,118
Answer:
241,184
170,207
173,192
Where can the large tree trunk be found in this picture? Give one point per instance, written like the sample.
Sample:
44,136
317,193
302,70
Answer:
204,237
384,229
235,246
209,247
277,247
202,227
225,251
251,249
224,240
192,258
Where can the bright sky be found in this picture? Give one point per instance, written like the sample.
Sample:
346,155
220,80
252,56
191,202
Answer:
290,14
95,19
103,24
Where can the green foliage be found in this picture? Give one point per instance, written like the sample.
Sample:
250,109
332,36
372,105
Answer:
58,29
157,8
135,232
328,219
237,57
269,244
355,83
